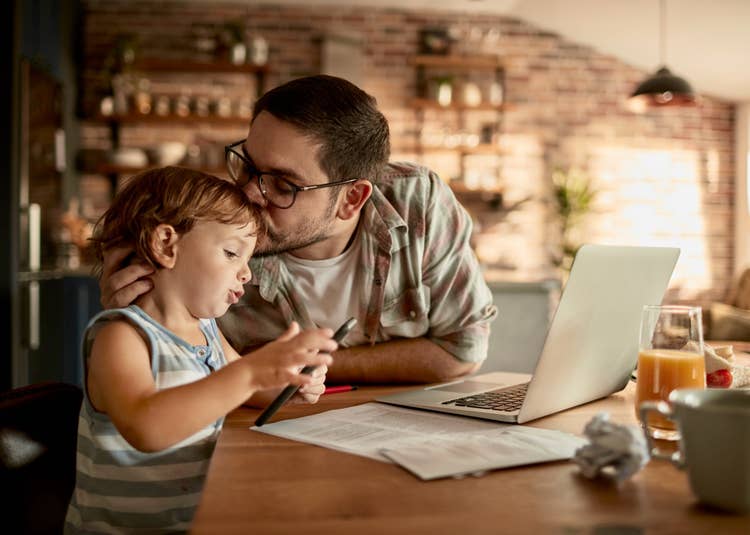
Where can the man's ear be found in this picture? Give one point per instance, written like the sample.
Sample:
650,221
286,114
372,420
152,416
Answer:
354,199
164,245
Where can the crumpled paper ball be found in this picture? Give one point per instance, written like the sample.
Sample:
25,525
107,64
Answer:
615,451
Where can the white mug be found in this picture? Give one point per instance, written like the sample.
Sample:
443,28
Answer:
714,445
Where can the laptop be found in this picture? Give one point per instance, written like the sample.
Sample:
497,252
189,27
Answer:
591,346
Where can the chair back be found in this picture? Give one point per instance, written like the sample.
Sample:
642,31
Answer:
38,433
739,295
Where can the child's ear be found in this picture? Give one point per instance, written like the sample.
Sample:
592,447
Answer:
354,199
164,245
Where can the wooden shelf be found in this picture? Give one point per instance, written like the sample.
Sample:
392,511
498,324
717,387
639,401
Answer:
459,62
179,65
135,118
424,103
113,169
482,149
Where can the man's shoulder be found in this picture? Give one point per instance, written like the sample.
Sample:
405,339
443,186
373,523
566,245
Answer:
404,182
402,174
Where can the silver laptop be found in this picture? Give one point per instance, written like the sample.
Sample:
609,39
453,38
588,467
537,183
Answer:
591,347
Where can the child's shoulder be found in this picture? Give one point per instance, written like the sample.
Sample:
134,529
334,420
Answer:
118,327
119,331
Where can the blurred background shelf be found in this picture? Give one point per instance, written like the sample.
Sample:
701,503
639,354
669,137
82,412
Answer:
179,65
187,120
458,62
425,103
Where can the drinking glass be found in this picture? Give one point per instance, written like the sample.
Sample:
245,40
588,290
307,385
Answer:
670,356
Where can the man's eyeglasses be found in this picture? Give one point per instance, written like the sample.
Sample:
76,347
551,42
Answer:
276,189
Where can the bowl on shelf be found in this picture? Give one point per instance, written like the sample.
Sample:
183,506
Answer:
129,157
168,153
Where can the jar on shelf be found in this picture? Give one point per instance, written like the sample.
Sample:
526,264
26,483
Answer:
161,105
122,90
238,53
201,106
258,50
495,94
142,97
440,90
182,105
244,108
471,95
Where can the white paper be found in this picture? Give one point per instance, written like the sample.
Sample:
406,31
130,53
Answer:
502,448
430,445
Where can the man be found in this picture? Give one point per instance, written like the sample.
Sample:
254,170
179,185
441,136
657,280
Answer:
349,235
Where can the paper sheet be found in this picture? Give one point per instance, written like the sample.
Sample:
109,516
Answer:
430,445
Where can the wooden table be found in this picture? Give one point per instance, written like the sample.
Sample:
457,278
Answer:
262,484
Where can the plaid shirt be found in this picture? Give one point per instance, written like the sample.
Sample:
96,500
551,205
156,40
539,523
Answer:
420,276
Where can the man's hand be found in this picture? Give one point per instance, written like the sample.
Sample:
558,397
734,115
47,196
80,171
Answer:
120,285
310,393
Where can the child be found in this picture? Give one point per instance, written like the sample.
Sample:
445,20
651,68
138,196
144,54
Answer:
159,376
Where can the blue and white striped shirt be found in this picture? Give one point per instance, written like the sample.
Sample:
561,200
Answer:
120,489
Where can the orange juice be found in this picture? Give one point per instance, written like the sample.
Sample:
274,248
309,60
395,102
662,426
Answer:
662,370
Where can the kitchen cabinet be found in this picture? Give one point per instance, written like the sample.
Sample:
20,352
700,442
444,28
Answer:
459,110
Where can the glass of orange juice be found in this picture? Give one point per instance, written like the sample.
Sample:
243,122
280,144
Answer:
670,356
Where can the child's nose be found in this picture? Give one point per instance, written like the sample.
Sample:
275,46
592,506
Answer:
245,274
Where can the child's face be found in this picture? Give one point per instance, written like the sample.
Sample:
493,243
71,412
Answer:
211,266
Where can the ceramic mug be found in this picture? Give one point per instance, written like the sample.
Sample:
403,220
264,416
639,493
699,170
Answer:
714,444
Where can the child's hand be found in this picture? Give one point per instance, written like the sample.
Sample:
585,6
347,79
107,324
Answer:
278,363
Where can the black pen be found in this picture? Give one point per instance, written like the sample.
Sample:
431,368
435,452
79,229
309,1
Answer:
291,389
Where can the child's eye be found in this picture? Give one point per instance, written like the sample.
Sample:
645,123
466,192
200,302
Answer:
230,254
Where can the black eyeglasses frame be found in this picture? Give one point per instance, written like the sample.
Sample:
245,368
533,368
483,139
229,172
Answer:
254,172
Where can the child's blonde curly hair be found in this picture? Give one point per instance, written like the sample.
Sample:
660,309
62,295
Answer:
174,196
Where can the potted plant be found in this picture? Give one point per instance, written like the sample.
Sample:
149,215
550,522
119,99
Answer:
573,197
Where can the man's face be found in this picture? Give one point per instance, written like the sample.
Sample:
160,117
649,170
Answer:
277,147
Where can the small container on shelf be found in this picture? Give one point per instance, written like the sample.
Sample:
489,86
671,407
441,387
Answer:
162,105
142,97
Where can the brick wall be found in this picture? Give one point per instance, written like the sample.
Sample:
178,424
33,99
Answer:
664,177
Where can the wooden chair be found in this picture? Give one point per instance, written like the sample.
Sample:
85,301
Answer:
731,320
38,433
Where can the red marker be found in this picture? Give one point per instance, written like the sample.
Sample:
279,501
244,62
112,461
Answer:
340,388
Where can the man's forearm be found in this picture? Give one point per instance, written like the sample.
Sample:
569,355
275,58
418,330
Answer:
415,360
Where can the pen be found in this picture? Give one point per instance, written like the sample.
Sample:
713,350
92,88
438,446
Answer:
340,388
291,389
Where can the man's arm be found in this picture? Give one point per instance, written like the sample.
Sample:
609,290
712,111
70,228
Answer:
415,360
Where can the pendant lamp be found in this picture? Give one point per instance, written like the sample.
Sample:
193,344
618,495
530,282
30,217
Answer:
662,88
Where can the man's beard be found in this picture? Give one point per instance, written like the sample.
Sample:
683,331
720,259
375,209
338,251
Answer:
277,243
308,233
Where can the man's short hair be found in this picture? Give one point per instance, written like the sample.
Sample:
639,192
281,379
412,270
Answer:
352,132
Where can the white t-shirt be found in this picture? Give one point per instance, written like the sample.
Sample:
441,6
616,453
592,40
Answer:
329,288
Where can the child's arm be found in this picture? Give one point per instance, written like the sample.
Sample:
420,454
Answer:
121,385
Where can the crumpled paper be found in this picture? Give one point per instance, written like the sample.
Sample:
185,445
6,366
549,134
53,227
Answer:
615,451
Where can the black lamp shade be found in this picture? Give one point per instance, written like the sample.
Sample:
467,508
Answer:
663,89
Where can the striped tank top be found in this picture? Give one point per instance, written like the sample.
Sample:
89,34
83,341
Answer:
120,489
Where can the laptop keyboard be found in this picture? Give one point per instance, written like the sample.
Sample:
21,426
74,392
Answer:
507,399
